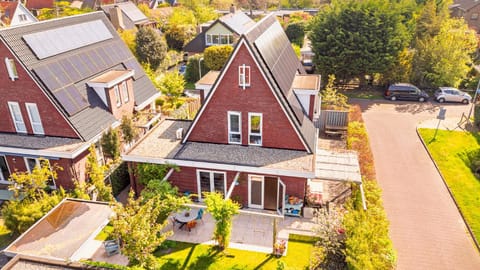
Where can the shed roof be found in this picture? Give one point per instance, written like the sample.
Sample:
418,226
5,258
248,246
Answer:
63,230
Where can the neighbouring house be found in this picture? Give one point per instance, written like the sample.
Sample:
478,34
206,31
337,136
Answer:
469,10
226,30
255,137
63,83
65,234
13,13
126,15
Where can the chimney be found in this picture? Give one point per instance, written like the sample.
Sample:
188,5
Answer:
233,9
116,17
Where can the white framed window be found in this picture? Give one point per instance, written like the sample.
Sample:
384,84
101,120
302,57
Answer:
211,181
11,68
234,127
474,16
255,128
4,170
244,76
22,17
209,40
124,88
117,96
31,163
34,117
17,117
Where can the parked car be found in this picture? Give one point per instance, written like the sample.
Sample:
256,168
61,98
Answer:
450,94
405,91
182,69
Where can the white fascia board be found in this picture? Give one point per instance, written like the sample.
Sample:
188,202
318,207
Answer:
219,166
113,82
147,102
305,91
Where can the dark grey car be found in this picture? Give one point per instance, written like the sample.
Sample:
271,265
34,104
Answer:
405,91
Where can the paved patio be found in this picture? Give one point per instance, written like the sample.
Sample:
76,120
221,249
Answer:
252,232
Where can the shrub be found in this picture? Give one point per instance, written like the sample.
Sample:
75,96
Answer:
111,144
476,115
222,211
128,131
120,179
217,56
296,32
192,73
150,47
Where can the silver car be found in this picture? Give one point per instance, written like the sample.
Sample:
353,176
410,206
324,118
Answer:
450,94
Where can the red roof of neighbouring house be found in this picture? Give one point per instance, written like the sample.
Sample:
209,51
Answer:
7,9
39,4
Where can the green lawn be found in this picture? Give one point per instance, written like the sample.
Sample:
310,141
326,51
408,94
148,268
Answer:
450,150
197,256
363,93
105,233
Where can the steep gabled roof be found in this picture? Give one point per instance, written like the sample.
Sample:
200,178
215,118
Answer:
238,22
275,56
7,10
131,13
39,4
62,55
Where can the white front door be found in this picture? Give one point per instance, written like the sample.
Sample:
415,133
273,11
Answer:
210,181
255,191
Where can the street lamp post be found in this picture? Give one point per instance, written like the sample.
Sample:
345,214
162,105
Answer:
200,68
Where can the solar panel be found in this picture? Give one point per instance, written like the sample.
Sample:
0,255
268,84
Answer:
80,100
63,39
43,72
66,102
70,70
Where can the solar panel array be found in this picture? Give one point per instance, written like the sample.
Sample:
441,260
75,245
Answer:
276,50
63,39
60,76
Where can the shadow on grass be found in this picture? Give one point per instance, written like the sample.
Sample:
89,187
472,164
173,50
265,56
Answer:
269,258
203,261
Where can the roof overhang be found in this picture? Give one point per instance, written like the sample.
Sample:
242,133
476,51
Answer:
147,102
110,78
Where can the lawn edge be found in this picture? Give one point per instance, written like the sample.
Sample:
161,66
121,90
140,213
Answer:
477,245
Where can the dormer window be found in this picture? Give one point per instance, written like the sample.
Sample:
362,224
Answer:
244,76
117,96
124,90
12,70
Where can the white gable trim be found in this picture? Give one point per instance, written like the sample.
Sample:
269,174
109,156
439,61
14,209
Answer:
220,78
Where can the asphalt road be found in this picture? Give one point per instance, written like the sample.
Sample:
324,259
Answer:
425,226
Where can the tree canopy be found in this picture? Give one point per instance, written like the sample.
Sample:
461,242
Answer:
150,47
217,56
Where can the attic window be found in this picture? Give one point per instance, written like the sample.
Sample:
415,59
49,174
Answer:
244,76
12,70
474,16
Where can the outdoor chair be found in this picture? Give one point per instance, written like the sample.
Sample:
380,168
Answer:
175,221
200,215
190,225
111,247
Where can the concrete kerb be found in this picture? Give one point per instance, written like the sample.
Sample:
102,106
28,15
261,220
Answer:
477,245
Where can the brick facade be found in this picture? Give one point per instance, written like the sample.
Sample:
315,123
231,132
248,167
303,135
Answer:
126,108
23,90
212,126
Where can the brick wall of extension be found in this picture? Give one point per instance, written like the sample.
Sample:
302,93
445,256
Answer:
277,131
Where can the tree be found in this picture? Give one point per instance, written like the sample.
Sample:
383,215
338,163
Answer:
216,56
331,99
145,9
192,75
222,211
140,233
205,14
352,39
128,130
61,9
446,58
96,175
172,85
182,16
151,48
177,36
128,36
296,32
111,144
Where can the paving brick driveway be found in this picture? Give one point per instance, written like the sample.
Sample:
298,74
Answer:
426,227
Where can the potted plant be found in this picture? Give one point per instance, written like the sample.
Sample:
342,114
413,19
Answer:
279,248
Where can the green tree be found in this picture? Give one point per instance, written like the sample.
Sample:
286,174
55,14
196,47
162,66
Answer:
352,39
428,22
61,9
176,36
222,211
128,36
446,58
150,47
128,130
192,75
182,16
216,56
111,144
296,32
331,99
172,86
136,224
205,14
145,9
96,175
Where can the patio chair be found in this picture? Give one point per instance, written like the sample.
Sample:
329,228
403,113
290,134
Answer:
191,224
175,221
111,247
200,215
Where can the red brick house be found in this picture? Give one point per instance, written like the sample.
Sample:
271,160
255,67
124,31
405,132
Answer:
14,13
63,83
254,137
468,10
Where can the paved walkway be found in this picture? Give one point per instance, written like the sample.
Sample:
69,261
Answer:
425,225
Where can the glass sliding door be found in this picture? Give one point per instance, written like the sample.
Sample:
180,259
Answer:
210,181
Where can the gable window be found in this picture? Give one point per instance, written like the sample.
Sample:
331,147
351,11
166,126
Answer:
34,117
11,68
234,128
218,39
22,17
117,96
474,16
31,163
255,128
210,181
244,76
4,171
124,88
17,117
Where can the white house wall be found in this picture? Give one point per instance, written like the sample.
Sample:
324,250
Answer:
19,11
218,29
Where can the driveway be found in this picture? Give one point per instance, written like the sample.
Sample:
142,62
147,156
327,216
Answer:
425,225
